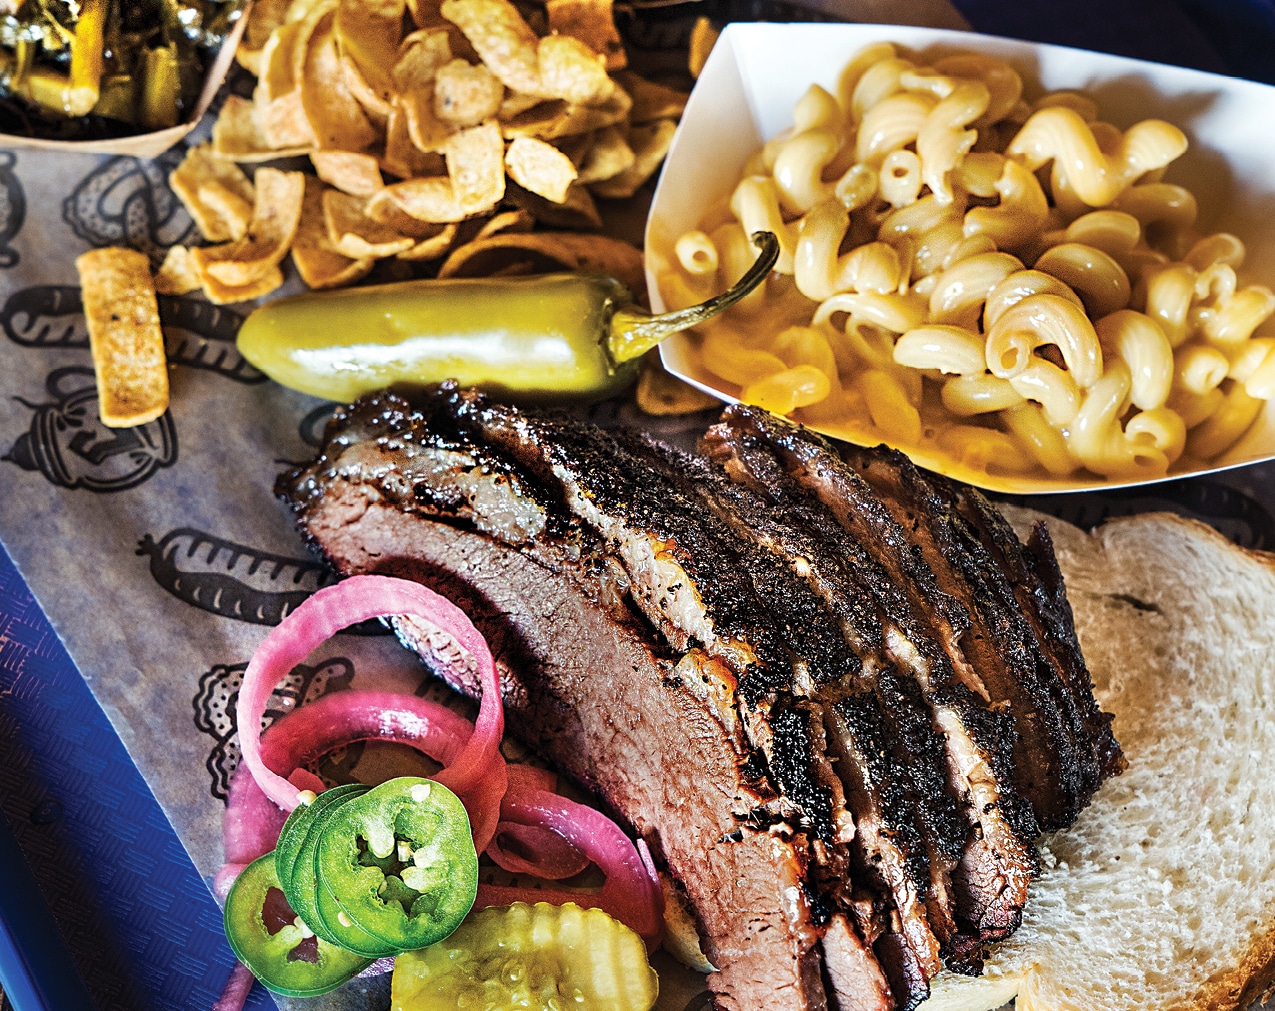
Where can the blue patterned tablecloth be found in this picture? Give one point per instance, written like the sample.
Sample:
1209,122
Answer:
142,928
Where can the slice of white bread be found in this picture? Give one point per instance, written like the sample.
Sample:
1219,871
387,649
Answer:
1162,895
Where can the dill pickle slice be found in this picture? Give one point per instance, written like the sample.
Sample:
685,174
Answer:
505,958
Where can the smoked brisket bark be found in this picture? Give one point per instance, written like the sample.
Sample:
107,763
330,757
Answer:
402,495
744,607
924,629
1032,570
1055,766
885,843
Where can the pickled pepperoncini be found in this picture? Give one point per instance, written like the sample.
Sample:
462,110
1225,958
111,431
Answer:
551,339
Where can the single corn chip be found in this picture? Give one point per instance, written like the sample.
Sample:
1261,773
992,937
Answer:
367,35
572,71
192,181
662,394
551,120
402,157
550,251
237,134
519,220
650,144
475,181
577,212
651,101
276,217
608,157
476,166
375,107
516,103
433,246
178,274
465,95
593,23
540,168
502,39
125,338
316,259
576,147
226,294
427,132
419,57
354,234
703,38
338,121
429,199
263,18
348,171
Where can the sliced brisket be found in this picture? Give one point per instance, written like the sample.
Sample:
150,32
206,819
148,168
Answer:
766,664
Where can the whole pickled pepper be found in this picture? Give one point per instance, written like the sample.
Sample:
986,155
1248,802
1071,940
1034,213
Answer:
555,338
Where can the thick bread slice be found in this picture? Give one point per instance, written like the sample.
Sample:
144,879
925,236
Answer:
1162,895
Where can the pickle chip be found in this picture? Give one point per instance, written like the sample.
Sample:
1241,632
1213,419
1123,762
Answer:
540,168
125,338
524,956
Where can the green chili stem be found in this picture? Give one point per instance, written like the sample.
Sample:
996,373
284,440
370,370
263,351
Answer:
633,332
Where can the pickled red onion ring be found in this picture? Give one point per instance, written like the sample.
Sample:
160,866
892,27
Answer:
250,826
534,849
630,892
326,613
237,988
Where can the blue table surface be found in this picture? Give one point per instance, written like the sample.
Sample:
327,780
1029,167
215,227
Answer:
142,929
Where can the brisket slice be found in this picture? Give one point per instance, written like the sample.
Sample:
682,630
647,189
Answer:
1055,765
925,626
1032,570
586,683
838,642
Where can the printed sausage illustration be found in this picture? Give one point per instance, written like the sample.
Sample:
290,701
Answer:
229,579
198,334
218,691
13,208
69,445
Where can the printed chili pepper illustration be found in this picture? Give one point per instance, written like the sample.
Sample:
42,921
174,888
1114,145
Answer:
197,335
229,579
284,954
13,208
68,444
556,337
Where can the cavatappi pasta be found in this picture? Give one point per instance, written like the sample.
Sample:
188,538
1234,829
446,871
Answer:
1007,281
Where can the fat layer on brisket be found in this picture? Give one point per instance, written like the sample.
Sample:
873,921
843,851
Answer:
755,657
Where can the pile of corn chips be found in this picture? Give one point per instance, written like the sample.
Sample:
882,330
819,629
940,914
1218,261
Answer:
430,125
